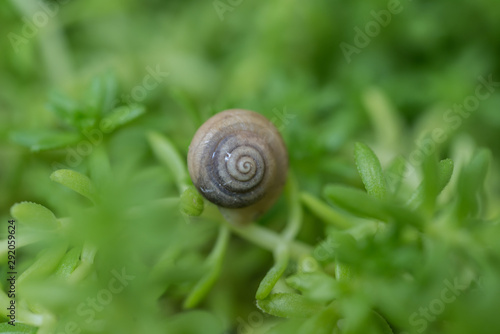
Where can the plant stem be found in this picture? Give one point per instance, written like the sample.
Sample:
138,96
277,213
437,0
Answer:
268,239
166,152
214,262
88,254
294,210
258,235
325,212
281,259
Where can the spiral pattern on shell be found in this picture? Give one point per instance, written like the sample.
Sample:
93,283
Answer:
238,159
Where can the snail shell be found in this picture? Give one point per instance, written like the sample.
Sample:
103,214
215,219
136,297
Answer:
238,161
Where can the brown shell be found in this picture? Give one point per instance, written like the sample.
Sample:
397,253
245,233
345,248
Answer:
238,160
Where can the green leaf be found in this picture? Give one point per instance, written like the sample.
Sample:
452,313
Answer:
19,328
275,273
385,118
324,212
317,286
166,152
122,115
45,264
471,183
360,203
194,322
34,215
99,166
321,323
346,250
381,323
370,170
342,272
445,170
444,174
289,305
40,140
430,185
69,262
356,201
102,92
436,177
64,108
395,173
289,326
75,181
192,203
88,253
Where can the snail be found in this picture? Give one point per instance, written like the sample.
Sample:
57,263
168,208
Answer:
238,161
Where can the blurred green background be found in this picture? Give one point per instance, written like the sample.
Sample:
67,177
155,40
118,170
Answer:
281,58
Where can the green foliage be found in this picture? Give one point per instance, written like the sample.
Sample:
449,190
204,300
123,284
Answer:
399,235
97,112
18,329
370,170
75,181
68,263
289,305
274,274
166,152
34,215
44,264
213,265
44,140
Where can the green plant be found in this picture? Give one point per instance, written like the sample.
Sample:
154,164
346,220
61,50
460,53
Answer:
379,247
396,235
